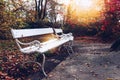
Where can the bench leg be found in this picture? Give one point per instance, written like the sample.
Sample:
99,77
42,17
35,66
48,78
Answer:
69,47
68,51
71,44
43,65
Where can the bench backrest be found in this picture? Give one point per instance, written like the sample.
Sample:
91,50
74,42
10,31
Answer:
19,33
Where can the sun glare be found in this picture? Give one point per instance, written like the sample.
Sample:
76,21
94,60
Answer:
86,4
66,2
85,11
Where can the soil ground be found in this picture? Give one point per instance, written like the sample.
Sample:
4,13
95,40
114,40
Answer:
92,60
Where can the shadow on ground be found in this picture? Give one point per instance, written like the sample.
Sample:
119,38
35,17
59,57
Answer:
52,60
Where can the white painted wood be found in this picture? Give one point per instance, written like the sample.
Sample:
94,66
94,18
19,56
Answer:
58,30
19,33
46,46
54,44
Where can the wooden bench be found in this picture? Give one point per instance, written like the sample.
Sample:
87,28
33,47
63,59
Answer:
41,47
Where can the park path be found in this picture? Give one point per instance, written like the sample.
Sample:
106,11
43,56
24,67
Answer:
91,61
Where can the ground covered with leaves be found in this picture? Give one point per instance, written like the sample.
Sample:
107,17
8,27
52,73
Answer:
92,60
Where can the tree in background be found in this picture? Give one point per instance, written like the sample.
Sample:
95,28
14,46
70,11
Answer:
3,20
55,13
2,9
13,14
112,16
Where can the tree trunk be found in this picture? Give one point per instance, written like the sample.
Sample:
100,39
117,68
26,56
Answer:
116,45
44,10
40,8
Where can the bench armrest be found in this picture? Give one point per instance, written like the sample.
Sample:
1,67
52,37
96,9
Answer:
35,42
65,35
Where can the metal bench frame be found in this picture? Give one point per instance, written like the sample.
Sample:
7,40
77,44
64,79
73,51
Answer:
37,46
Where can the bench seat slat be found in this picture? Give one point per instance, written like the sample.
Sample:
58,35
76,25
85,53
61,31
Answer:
46,46
54,44
34,48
